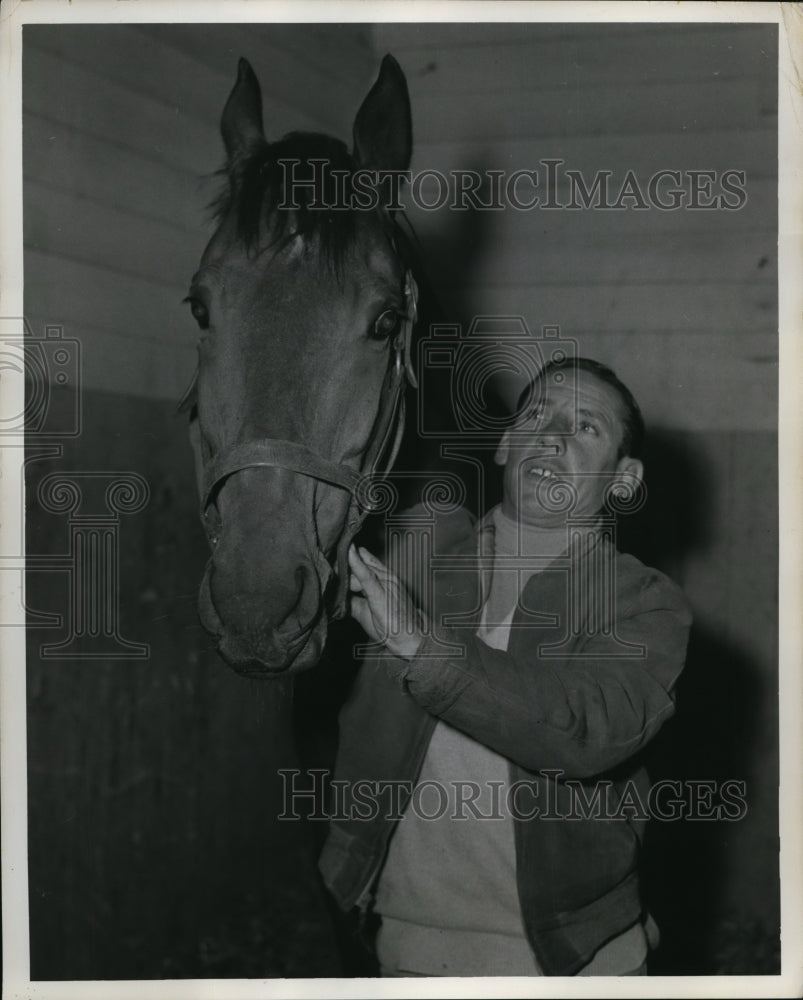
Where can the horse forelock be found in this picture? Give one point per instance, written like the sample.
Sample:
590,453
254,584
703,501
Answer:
270,195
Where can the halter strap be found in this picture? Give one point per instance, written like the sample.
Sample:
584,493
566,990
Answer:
274,453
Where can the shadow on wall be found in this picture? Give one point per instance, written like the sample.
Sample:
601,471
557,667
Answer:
676,520
449,259
689,863
713,739
444,261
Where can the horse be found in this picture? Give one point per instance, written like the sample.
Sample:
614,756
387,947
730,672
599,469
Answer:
305,301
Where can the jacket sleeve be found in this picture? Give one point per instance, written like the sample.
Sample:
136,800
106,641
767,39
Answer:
583,714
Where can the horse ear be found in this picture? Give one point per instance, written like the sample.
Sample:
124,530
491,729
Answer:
383,128
241,123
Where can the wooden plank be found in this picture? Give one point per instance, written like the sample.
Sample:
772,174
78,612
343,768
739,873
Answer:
718,380
732,579
752,597
81,100
752,150
336,49
481,32
605,56
121,54
90,167
499,243
515,254
140,61
685,308
466,243
327,57
596,110
81,229
80,295
699,381
121,362
144,327
329,95
169,76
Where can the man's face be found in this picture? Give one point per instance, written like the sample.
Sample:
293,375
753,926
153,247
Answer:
571,439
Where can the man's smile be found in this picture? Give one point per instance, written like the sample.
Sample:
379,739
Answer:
537,469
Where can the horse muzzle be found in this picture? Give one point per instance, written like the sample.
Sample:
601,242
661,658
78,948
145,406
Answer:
249,641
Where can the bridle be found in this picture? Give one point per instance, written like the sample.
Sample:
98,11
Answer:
383,443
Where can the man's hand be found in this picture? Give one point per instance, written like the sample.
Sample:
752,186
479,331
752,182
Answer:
382,606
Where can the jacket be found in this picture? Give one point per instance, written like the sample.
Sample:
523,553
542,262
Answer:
587,680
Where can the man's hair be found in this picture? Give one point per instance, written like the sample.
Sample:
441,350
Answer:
632,443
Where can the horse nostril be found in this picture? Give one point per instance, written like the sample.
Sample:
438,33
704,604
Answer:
302,576
309,592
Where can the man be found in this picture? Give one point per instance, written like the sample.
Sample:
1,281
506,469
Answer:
507,716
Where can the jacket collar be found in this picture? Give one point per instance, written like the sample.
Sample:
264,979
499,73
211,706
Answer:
459,589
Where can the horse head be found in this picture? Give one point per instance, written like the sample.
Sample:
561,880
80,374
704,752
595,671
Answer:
305,308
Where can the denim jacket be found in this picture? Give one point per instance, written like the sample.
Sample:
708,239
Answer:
586,681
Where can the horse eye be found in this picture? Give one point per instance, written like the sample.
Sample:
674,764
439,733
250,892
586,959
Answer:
199,311
386,324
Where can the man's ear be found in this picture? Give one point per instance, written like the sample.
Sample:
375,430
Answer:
503,450
629,472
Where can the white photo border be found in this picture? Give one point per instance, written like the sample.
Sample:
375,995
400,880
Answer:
789,17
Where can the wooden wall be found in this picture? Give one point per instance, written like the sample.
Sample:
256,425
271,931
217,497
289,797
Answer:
682,303
146,767
121,142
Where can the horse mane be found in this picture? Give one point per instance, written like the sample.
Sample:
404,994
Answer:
256,191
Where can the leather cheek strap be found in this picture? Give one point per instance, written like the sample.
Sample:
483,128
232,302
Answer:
390,424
